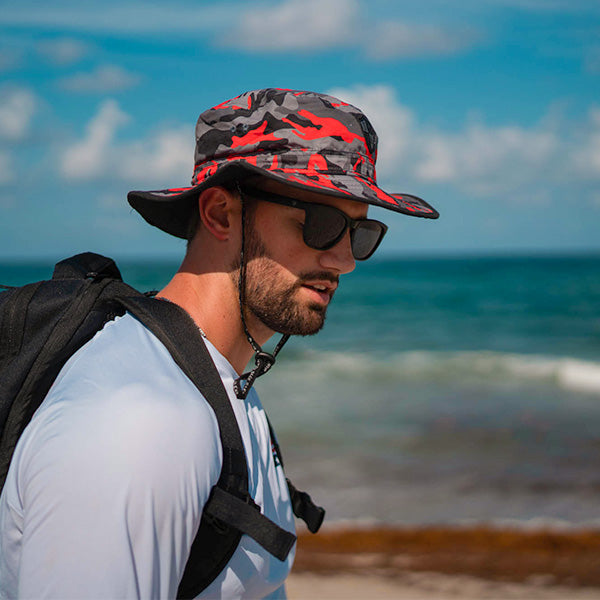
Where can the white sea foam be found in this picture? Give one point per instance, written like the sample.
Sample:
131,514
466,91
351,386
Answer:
579,375
566,372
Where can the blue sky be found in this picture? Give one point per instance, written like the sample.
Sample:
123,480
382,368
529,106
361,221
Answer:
489,109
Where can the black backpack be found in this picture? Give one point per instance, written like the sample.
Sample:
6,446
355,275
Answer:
42,324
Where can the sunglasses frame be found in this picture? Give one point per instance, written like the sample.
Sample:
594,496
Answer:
350,223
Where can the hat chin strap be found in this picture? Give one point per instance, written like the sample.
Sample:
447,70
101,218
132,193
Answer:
263,360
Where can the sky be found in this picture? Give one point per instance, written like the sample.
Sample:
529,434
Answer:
488,109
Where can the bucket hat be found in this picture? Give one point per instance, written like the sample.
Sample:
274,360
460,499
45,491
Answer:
304,139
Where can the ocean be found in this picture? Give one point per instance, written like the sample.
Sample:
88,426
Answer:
441,391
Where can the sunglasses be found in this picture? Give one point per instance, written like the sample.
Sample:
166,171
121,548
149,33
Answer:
324,225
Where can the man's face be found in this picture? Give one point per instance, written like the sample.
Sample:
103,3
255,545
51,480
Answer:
289,285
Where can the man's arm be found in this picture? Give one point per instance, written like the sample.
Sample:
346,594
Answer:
112,494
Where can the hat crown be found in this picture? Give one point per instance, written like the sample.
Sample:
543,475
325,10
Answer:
279,121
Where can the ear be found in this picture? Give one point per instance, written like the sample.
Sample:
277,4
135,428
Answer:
218,208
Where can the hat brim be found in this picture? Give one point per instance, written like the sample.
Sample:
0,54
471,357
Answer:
171,209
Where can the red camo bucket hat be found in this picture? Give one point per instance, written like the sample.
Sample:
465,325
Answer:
304,139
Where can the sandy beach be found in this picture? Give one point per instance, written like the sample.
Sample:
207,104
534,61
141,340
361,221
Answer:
446,563
424,586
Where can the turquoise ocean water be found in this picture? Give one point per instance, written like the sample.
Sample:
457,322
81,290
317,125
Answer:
441,390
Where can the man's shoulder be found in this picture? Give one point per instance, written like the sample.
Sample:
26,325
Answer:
124,374
121,400
123,353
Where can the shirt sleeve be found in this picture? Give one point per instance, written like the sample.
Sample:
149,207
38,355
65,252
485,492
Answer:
113,490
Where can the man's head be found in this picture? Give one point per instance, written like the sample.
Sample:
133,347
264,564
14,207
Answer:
307,158
299,169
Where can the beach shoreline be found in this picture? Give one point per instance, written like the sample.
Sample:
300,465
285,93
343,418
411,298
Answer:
446,562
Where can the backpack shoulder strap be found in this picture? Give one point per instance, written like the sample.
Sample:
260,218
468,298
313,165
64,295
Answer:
302,504
86,265
12,323
230,510
41,326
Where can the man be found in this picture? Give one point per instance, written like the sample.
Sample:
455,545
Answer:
108,482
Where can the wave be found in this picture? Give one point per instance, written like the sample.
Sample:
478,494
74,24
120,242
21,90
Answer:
566,372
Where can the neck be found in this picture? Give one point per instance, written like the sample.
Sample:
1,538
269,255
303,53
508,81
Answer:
211,299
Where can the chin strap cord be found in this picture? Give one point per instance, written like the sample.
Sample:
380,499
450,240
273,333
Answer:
263,360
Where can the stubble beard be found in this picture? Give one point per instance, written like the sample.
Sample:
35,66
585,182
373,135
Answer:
273,301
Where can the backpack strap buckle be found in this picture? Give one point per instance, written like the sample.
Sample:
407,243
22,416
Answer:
304,508
245,516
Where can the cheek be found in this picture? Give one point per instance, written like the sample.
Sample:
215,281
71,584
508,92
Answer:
281,234
283,240
294,255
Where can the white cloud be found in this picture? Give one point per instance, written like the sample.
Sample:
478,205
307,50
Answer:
292,25
395,39
90,157
125,16
6,168
477,158
486,159
164,156
191,18
63,51
17,107
392,121
278,25
104,79
587,156
314,25
525,162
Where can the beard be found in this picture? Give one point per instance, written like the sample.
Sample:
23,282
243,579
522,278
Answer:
272,300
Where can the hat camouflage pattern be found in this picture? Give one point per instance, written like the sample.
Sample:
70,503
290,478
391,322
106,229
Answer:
304,139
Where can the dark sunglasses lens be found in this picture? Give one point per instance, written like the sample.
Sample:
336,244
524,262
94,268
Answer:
323,227
366,238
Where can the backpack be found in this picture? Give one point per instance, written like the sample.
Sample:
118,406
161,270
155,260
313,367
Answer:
42,324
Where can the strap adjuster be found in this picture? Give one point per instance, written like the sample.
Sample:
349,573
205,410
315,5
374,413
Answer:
264,361
245,516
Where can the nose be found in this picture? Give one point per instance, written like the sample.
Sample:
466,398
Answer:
339,258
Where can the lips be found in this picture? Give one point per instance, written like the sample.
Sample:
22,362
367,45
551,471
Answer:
322,291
